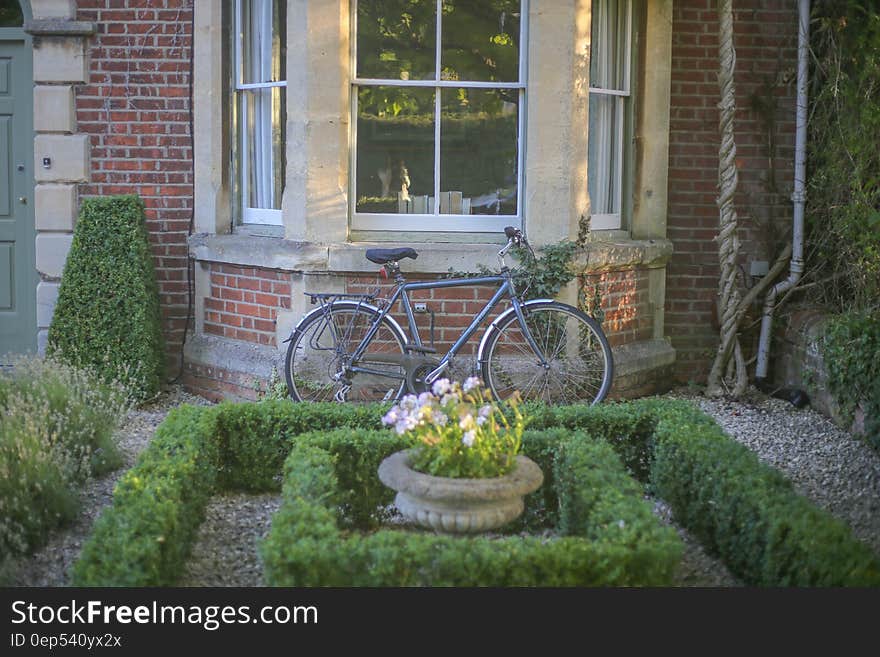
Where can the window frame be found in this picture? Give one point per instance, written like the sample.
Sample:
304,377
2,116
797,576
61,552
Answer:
615,221
437,222
248,216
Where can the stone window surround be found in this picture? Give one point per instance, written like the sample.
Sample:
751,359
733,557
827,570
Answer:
315,205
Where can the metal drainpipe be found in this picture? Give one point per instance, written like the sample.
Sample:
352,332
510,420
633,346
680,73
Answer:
796,266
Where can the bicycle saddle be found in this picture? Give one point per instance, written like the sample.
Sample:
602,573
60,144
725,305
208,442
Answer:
382,256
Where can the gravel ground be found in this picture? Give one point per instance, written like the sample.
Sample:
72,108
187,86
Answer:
49,566
838,472
225,553
825,463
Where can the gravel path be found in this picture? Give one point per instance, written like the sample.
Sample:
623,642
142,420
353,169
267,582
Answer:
836,471
825,463
225,553
50,565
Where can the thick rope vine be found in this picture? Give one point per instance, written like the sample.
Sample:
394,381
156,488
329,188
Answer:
729,362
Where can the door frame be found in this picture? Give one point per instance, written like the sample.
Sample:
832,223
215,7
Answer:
24,118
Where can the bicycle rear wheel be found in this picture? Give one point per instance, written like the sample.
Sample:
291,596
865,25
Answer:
579,362
318,362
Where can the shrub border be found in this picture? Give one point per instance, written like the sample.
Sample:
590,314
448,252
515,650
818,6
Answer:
742,510
610,537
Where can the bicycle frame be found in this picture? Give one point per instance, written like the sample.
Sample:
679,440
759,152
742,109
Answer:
401,293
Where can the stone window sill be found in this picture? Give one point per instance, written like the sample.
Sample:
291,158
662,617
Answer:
266,252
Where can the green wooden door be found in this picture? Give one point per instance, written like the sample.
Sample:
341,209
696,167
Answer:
18,276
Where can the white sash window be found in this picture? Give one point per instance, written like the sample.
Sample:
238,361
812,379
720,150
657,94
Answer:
610,61
438,99
259,83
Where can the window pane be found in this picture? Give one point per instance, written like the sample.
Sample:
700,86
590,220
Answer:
478,151
262,41
395,150
604,166
10,14
396,39
262,159
608,56
480,40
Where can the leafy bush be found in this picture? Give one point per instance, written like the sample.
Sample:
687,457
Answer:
851,347
615,541
107,315
747,512
843,196
144,538
56,429
742,510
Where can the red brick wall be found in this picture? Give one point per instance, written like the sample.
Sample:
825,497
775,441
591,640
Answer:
625,303
766,44
243,302
135,107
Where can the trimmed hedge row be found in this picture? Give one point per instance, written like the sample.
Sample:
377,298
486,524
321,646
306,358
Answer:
610,537
747,512
145,537
742,510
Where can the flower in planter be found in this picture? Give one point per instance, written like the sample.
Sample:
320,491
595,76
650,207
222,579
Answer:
458,430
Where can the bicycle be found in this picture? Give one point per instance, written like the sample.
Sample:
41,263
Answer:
350,348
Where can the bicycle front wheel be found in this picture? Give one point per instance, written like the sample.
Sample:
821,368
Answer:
579,363
319,367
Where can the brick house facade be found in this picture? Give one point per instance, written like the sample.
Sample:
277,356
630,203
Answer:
656,270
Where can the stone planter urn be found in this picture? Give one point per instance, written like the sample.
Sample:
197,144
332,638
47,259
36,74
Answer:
459,506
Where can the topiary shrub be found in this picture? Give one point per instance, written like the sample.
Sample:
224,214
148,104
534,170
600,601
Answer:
107,315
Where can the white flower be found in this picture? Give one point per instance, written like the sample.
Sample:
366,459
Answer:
451,398
391,416
470,383
425,399
441,387
466,422
439,418
468,438
405,423
409,402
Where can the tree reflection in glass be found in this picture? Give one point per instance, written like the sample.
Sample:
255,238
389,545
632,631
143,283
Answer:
478,151
480,40
395,153
396,39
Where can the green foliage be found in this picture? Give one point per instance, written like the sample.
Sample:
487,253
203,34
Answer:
540,276
328,533
145,537
459,432
276,388
747,512
107,316
843,196
56,430
544,276
851,347
621,544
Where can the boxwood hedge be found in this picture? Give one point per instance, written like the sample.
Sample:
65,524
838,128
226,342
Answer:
607,532
107,316
742,510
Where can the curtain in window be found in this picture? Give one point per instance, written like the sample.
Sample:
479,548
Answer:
608,90
258,67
